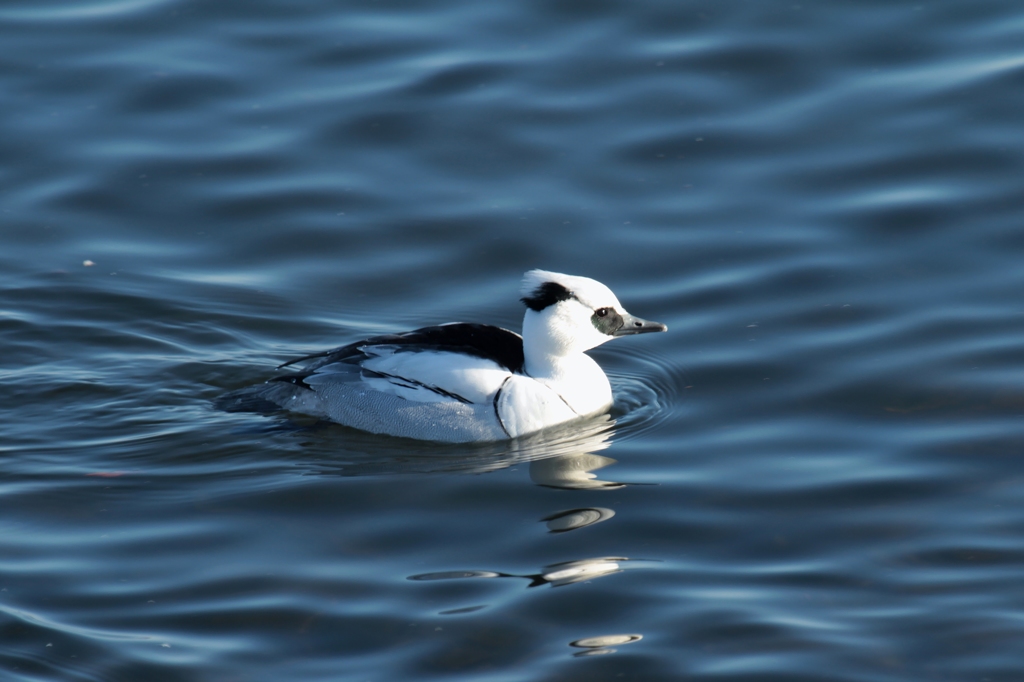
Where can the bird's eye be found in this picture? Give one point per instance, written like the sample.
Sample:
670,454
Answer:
601,312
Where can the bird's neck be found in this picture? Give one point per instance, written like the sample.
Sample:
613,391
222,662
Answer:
551,359
576,377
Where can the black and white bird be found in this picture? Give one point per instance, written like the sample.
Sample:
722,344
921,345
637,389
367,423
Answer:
464,382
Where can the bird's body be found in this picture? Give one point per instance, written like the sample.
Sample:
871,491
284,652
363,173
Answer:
464,382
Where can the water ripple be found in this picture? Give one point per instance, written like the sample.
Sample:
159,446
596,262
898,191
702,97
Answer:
814,473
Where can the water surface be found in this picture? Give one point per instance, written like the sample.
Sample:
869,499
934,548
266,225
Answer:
815,475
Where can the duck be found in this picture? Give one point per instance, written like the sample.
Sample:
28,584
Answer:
464,382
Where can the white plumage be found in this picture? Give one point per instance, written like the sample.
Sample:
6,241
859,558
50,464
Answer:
463,382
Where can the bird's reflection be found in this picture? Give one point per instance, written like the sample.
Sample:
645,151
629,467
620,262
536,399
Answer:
565,458
561,457
572,472
574,519
556,575
596,646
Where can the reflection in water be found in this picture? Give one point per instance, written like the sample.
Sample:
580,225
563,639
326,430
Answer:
570,572
337,450
562,457
596,646
571,471
556,575
573,519
465,609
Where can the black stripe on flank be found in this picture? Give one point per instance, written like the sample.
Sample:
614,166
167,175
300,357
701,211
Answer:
405,382
567,404
497,414
546,294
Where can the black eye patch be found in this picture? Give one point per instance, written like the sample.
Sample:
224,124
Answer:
606,320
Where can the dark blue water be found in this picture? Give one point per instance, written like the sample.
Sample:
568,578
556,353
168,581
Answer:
817,474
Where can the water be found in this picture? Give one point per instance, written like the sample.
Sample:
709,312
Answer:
815,475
